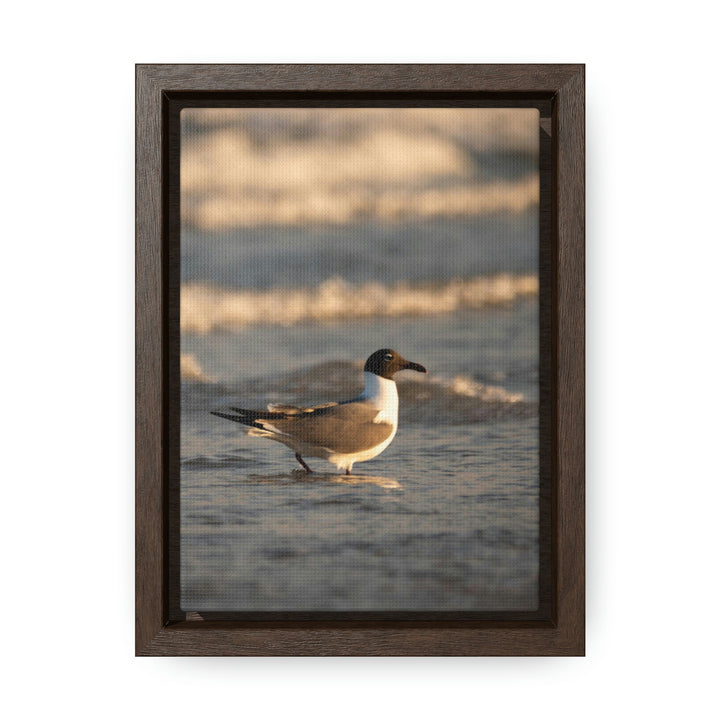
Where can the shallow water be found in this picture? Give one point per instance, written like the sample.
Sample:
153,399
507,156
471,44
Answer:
445,519
438,529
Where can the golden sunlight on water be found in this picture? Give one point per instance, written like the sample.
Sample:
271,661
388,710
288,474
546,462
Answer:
204,308
285,167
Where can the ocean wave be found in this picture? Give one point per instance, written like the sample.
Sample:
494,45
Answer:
243,168
437,399
458,385
482,129
190,370
433,399
204,308
338,376
226,209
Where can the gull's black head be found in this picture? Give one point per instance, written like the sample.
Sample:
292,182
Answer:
386,363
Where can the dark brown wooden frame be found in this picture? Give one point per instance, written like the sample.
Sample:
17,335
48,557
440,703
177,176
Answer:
560,90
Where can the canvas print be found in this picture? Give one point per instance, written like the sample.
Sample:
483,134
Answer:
359,359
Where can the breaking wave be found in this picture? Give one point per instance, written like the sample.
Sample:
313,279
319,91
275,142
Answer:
205,308
190,370
290,167
431,398
315,206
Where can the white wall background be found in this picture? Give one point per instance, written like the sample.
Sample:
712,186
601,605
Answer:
67,359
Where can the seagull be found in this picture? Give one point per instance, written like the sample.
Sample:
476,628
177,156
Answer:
344,433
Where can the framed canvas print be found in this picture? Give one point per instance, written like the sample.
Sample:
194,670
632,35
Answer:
360,360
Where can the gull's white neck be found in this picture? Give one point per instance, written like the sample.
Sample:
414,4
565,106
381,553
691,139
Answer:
382,393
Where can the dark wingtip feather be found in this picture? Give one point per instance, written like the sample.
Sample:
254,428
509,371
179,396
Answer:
234,418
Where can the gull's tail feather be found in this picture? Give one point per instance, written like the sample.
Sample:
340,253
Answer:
253,418
246,417
256,420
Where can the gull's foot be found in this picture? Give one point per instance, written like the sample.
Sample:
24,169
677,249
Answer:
303,463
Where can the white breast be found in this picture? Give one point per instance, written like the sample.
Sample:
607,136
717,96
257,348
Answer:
382,393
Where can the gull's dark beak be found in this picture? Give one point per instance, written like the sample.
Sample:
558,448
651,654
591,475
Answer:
415,366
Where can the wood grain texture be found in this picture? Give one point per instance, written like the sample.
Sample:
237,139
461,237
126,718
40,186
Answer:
159,627
570,154
363,77
187,639
149,545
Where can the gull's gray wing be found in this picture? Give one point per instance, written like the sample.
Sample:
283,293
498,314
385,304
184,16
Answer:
344,428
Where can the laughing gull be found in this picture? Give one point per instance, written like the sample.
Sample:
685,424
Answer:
342,433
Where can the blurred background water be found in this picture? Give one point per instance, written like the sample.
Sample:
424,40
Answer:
311,238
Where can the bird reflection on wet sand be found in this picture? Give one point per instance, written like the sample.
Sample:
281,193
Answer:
300,476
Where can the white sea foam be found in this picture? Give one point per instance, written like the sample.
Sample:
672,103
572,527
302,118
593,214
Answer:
204,308
464,386
435,398
190,370
228,207
245,167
